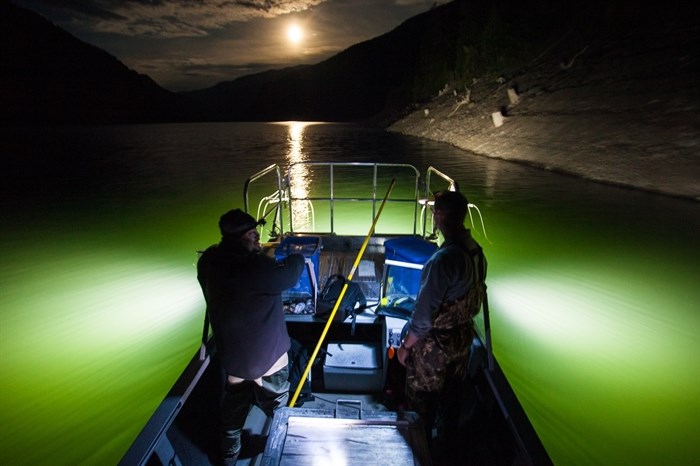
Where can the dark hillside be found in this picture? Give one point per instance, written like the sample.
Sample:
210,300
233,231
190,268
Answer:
49,76
613,97
377,79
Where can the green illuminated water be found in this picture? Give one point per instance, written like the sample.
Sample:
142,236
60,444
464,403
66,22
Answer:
593,290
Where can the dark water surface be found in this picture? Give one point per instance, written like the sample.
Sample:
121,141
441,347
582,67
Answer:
593,289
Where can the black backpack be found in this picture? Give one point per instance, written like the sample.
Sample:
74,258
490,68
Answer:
298,360
329,296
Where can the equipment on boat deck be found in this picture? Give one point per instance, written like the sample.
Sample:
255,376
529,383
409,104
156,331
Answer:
353,367
403,263
331,293
307,286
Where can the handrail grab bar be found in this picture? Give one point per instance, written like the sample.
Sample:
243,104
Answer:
246,186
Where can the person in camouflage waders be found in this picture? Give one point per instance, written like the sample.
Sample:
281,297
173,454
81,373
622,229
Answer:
437,345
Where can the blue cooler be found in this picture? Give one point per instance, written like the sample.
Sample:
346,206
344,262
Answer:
310,247
404,260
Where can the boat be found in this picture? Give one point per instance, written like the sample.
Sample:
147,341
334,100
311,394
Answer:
346,406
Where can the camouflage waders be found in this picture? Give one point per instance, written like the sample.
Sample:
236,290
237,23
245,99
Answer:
443,355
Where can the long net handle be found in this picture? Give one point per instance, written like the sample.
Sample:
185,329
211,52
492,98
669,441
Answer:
293,401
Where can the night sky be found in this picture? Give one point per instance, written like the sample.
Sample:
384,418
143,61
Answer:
194,44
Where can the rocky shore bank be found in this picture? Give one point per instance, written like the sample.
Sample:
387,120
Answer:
618,107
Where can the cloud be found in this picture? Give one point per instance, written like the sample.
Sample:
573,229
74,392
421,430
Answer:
170,18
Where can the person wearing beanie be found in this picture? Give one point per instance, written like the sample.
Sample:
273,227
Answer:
437,345
242,288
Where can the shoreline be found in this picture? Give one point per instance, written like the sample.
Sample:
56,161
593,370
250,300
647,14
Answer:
625,111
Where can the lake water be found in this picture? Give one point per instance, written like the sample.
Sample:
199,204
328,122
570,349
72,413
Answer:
593,289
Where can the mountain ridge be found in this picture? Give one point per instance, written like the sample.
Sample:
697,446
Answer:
51,77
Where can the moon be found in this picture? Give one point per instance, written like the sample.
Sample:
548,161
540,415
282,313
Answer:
295,34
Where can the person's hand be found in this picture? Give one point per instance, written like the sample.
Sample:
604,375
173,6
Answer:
406,346
402,354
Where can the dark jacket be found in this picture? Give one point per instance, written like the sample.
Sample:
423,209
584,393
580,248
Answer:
243,295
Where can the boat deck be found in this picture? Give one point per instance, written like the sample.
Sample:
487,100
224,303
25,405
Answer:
194,434
486,438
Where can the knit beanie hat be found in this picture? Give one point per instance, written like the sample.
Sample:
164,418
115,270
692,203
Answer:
236,222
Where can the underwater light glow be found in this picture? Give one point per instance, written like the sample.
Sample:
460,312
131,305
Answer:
91,331
556,309
611,365
147,299
133,299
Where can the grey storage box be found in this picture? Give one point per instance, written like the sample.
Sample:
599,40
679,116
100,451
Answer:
353,367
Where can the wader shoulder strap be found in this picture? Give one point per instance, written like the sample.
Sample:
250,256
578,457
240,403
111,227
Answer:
475,296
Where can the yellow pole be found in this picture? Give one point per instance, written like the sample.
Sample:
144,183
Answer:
340,298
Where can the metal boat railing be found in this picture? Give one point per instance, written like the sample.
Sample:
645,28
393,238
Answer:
283,198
